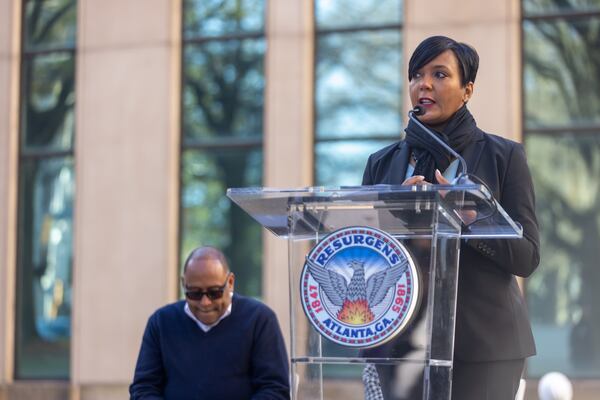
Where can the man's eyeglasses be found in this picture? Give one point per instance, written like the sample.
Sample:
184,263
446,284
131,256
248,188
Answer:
212,293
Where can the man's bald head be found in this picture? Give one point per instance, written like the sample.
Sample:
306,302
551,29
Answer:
206,253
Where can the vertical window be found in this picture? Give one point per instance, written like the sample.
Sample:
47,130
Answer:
358,93
46,190
222,130
358,98
561,80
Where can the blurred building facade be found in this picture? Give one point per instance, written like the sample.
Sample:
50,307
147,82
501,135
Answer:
122,124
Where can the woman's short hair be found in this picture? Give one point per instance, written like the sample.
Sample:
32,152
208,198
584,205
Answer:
430,48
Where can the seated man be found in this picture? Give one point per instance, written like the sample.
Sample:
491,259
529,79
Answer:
214,345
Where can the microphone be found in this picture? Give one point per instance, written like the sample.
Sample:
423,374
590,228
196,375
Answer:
418,110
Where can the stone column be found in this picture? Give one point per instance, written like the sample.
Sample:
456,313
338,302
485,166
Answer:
127,174
288,140
10,35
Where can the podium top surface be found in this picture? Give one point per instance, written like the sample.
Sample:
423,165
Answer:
403,211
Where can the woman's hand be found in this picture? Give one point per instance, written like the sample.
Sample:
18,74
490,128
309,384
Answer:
440,178
415,180
420,179
467,216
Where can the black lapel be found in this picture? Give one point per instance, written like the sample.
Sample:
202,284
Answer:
399,164
472,154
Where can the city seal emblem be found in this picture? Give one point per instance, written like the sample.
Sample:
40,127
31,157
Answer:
359,287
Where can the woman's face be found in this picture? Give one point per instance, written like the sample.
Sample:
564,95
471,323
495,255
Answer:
438,89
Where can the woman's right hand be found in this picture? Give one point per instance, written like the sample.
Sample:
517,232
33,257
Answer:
415,180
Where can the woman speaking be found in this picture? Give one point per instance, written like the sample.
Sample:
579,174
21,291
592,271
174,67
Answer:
493,334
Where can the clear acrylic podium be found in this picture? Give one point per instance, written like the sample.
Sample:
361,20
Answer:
430,221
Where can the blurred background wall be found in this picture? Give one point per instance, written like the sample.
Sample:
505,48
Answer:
123,122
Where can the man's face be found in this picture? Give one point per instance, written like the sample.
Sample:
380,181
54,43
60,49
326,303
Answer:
208,275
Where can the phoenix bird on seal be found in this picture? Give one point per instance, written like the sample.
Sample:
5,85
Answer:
358,296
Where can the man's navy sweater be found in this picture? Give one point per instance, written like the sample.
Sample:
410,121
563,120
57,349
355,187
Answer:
243,357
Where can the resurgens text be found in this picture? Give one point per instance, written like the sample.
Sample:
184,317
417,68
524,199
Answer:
357,239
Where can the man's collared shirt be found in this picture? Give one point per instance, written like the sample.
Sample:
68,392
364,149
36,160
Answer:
202,325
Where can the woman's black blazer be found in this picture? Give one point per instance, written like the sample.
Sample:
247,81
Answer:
491,322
